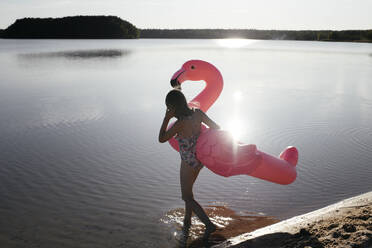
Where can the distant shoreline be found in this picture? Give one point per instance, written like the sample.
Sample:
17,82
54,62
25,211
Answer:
71,27
199,35
364,36
113,27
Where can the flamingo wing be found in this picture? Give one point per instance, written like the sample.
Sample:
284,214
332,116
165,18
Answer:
219,152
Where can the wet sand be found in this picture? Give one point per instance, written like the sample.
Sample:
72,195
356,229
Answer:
230,224
344,224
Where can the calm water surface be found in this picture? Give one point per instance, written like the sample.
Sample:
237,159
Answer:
80,162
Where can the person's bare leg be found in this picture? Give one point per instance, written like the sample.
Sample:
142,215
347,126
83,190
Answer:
188,209
188,176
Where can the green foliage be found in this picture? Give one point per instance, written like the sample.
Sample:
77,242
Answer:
72,27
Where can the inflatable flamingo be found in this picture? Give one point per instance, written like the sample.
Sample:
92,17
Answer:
216,149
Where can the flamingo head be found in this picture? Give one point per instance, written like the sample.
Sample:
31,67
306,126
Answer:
194,70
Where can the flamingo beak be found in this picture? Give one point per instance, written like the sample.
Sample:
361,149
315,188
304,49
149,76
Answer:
175,83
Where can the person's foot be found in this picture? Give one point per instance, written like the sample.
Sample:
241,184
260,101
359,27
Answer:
208,230
184,235
186,229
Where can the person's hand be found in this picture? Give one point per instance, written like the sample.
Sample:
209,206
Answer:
169,113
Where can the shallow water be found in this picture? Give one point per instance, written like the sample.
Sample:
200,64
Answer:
80,162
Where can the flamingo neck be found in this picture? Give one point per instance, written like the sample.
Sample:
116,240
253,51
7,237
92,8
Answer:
212,90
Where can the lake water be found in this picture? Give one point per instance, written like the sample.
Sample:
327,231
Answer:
81,165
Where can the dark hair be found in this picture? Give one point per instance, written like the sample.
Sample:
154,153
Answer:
177,99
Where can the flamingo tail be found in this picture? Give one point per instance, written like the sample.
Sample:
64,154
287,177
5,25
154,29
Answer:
290,154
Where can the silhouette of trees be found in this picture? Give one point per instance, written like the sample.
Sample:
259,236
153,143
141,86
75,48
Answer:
112,27
368,35
320,35
72,27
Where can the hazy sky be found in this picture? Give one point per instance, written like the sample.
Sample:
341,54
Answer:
259,14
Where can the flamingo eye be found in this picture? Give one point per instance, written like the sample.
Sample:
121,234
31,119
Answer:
192,67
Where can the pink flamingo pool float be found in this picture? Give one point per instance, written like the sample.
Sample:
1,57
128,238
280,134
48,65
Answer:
217,149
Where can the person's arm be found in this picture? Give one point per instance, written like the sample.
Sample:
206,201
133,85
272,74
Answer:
165,135
208,121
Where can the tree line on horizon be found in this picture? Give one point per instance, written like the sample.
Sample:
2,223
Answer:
113,27
71,27
314,35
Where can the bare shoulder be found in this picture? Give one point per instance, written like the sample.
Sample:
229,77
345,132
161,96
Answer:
199,113
206,120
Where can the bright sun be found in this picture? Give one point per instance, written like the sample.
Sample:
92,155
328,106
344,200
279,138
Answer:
236,129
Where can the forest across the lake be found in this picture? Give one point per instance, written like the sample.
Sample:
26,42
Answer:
113,27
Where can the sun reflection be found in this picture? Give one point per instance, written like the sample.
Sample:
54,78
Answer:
236,128
234,42
238,95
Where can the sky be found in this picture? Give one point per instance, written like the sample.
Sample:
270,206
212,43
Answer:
255,14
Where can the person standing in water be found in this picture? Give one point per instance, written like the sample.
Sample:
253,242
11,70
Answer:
187,130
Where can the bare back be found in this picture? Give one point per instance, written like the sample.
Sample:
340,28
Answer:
190,125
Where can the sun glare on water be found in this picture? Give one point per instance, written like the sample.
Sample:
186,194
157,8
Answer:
234,42
238,96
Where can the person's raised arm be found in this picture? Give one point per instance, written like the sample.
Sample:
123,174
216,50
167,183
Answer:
208,121
165,135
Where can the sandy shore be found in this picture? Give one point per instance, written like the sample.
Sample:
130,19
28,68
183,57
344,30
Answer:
345,224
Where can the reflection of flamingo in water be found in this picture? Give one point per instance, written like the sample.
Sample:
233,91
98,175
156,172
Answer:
216,149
